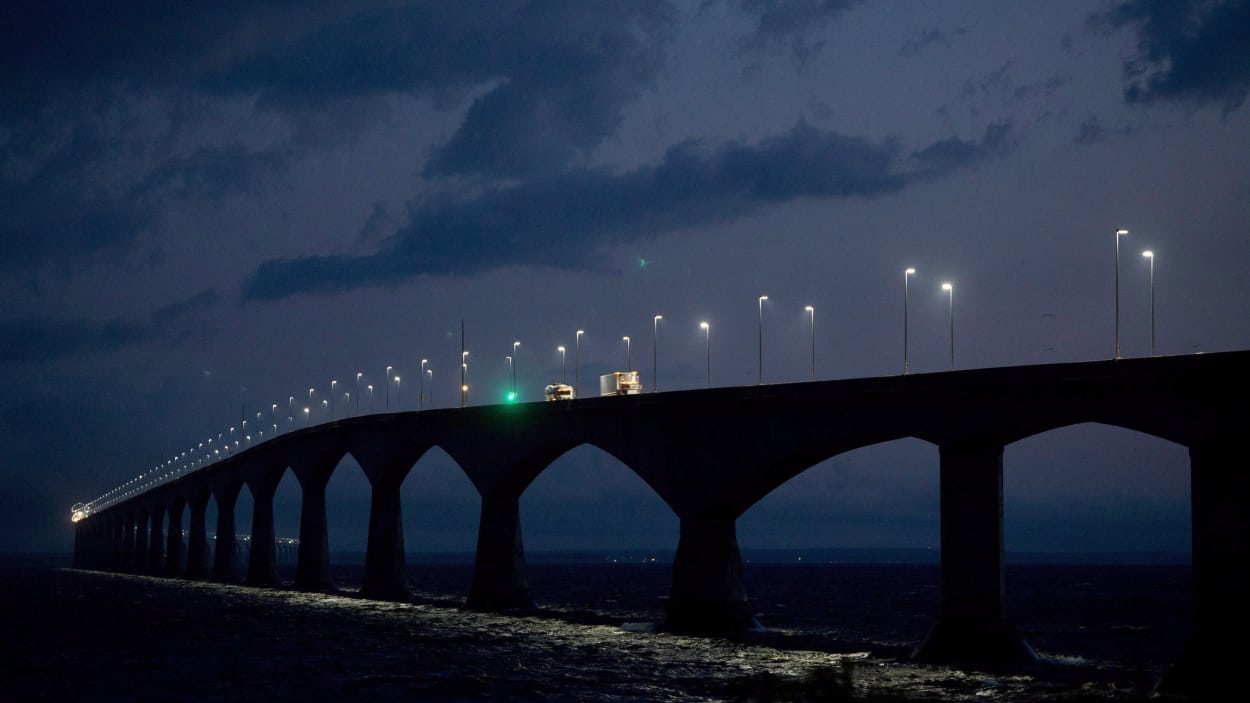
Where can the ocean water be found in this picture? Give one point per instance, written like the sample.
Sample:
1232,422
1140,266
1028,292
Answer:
1104,631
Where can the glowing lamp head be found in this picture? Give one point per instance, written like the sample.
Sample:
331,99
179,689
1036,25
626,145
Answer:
1148,254
1121,232
947,287
909,271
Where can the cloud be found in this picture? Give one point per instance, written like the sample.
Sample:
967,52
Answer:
790,25
139,97
930,36
27,340
1189,51
563,220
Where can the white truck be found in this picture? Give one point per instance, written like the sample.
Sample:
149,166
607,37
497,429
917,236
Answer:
559,391
620,383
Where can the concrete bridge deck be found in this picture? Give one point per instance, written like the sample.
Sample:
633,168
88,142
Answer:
712,454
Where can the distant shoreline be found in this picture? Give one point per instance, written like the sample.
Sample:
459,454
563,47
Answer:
749,556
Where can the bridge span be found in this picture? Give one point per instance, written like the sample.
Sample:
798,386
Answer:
711,455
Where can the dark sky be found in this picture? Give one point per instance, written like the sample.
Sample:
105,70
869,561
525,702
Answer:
216,206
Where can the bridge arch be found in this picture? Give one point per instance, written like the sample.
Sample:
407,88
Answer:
1059,484
608,503
846,494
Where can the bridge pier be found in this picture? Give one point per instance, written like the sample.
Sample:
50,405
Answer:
128,543
385,571
972,626
225,567
499,581
140,560
312,571
156,539
173,543
708,595
197,540
262,566
1211,664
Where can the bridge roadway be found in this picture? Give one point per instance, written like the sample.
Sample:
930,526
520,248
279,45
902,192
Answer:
712,454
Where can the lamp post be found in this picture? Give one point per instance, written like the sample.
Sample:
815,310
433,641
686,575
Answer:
707,334
577,364
464,371
906,273
388,388
655,345
1151,255
762,299
512,385
358,375
333,384
515,362
398,403
627,361
564,367
370,387
290,409
1118,233
421,390
812,311
950,290
310,397
430,373
326,405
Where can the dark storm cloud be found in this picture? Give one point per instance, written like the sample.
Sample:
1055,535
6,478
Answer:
26,340
39,339
790,25
563,219
1190,51
107,85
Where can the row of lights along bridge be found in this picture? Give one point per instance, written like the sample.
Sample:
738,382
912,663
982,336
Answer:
227,443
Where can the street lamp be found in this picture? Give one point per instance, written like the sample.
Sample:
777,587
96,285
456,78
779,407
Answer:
421,391
310,396
812,310
908,272
627,362
1118,233
577,364
762,299
707,333
512,390
290,409
307,417
326,404
516,360
358,375
370,387
398,402
333,385
950,290
388,387
430,373
1151,255
464,371
655,344
564,366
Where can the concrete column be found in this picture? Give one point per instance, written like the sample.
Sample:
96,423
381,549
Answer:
156,542
1210,666
312,571
262,567
385,571
140,561
499,581
173,544
128,543
197,540
80,546
972,626
117,559
708,595
225,566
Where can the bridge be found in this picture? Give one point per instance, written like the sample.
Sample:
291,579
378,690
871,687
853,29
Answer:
710,455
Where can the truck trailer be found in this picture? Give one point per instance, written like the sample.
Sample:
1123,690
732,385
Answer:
620,383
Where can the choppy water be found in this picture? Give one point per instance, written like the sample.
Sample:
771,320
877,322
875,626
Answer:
1105,632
